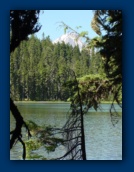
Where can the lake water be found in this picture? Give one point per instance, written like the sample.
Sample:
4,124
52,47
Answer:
103,140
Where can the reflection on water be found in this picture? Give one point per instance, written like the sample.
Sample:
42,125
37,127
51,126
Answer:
103,140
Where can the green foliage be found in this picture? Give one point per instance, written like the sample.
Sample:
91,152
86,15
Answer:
53,145
32,125
32,145
39,69
110,47
83,34
92,90
110,44
42,136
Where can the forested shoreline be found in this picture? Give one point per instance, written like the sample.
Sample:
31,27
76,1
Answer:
39,69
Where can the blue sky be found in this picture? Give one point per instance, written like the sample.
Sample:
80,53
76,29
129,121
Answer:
50,18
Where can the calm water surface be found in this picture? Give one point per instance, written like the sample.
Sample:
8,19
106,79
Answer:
103,140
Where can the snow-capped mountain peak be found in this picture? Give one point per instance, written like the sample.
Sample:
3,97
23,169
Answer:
71,39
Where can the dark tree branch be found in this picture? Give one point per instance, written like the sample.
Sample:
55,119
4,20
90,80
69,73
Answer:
16,133
22,24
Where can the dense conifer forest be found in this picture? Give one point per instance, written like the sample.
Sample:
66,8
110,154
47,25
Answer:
39,69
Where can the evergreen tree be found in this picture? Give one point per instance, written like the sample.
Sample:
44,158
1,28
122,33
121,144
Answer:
110,46
110,43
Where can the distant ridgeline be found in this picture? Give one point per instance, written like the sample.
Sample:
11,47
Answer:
39,69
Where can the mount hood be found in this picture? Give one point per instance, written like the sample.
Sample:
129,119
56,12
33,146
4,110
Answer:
71,39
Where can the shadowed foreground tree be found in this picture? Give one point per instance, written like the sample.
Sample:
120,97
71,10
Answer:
22,24
110,43
110,48
73,130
